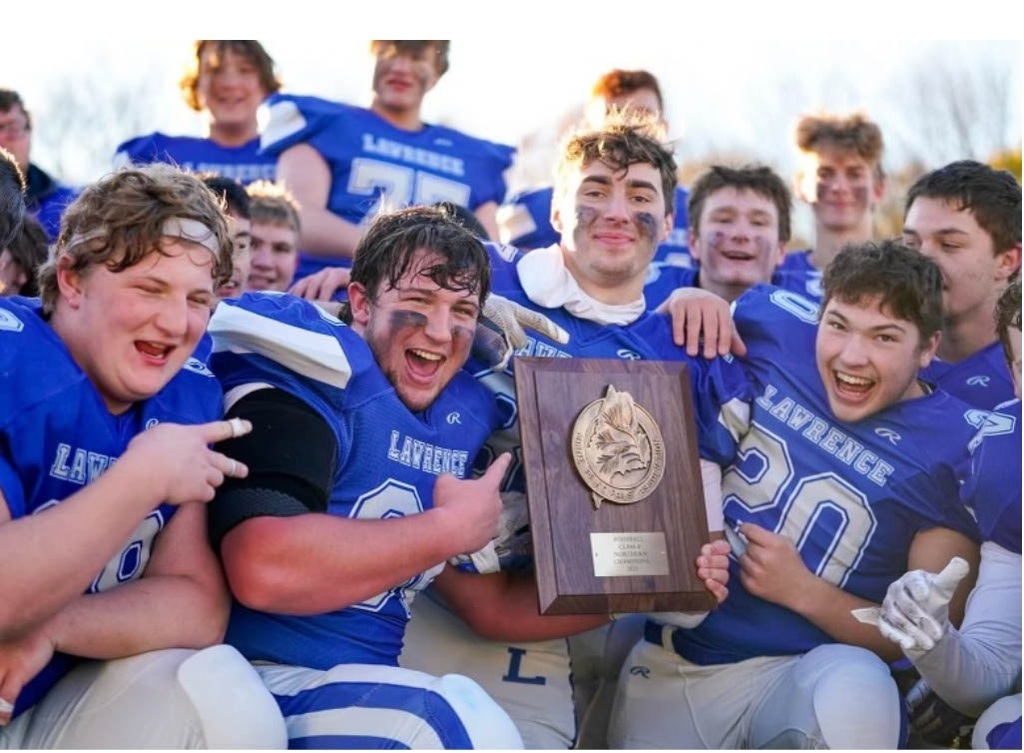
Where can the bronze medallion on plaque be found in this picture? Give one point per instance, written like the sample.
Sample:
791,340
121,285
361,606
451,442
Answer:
618,449
613,481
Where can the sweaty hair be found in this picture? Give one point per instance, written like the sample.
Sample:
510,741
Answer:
465,217
991,196
619,83
118,221
391,245
626,138
28,250
229,191
908,284
12,197
761,180
249,49
272,204
415,47
1008,314
848,133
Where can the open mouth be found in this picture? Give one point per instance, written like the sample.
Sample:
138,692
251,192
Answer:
423,364
153,351
738,255
852,387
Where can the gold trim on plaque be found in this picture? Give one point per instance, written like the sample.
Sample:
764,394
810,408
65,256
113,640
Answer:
618,449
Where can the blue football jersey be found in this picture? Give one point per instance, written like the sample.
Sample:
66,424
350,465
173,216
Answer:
525,222
797,261
388,460
982,379
663,278
56,436
243,163
372,161
994,493
850,496
719,386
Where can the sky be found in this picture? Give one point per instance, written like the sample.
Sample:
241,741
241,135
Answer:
734,77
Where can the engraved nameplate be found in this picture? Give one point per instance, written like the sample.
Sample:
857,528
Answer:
618,554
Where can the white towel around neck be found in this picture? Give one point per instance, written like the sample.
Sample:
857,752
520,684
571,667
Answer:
547,282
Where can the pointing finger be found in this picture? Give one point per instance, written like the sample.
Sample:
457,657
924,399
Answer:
496,472
218,431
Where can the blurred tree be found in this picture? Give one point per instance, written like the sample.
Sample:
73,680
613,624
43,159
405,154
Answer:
1008,159
956,110
83,118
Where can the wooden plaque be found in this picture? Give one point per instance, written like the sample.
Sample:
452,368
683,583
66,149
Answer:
595,549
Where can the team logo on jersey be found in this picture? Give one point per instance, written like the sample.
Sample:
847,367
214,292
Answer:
10,322
197,366
990,423
640,671
886,433
152,422
618,449
978,381
454,418
628,354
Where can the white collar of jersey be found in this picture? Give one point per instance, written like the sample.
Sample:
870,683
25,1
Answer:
547,282
184,228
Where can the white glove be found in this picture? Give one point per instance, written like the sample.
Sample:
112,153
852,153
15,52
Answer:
915,611
500,332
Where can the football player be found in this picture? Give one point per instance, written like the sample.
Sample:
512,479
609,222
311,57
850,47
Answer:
839,482
973,667
44,197
611,212
966,216
275,237
525,221
740,227
841,177
109,594
225,80
364,436
341,163
238,213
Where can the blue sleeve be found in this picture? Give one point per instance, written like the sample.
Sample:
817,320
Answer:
295,120
494,159
140,150
662,279
721,400
525,220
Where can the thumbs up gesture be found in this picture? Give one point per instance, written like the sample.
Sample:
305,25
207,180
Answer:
915,611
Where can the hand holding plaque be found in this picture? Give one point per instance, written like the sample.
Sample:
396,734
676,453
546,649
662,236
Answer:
613,479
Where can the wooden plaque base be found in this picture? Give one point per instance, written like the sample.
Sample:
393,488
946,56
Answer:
635,557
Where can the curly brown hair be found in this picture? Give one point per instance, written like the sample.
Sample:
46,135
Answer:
118,221
907,284
1008,315
626,138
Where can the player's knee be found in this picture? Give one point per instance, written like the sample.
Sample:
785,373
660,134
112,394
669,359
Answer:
856,702
234,707
485,722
